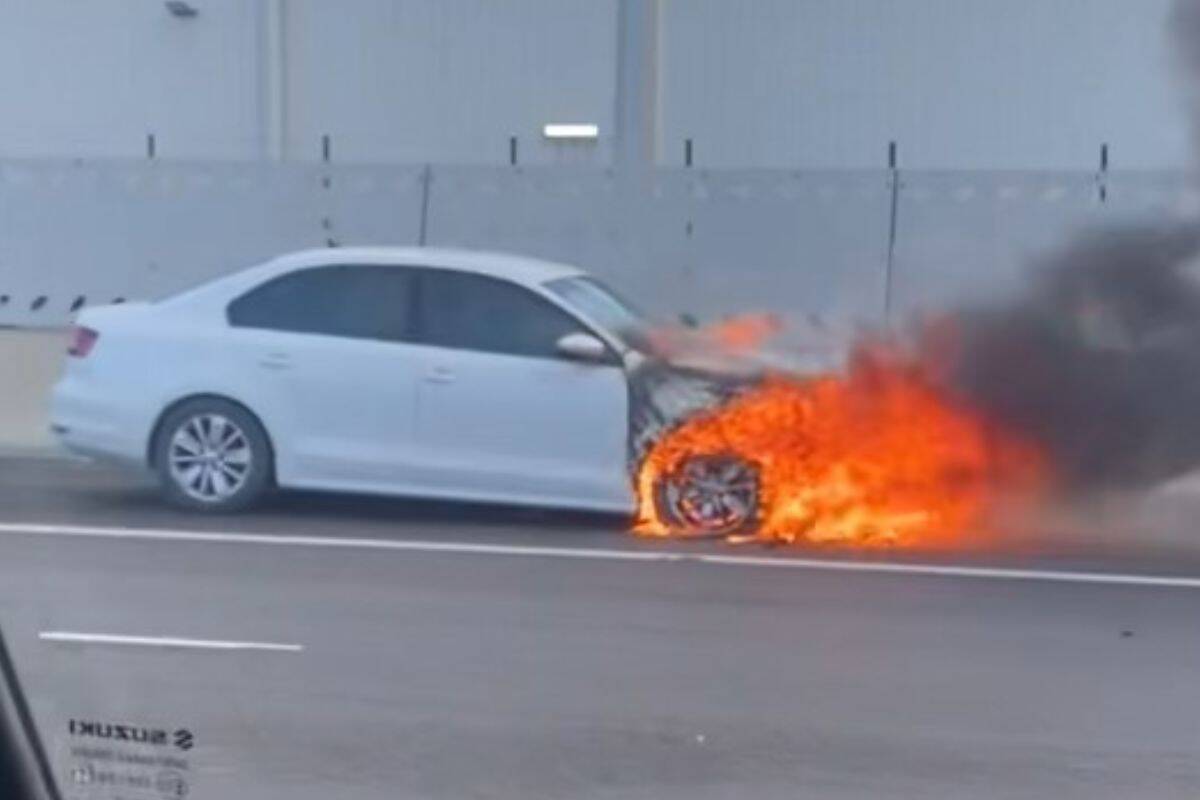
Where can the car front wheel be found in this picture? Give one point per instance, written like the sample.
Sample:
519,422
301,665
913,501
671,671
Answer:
713,495
212,455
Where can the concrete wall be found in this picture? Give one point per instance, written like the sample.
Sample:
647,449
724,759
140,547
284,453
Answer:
449,81
86,79
30,362
703,242
387,80
960,84
79,234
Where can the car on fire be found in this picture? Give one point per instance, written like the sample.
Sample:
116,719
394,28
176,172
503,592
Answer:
422,372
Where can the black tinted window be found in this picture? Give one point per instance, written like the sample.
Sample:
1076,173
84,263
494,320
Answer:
474,312
361,302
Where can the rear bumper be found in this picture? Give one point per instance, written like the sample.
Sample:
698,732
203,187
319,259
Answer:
90,426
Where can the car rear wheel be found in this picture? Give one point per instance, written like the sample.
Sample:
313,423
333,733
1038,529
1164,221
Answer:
709,496
212,455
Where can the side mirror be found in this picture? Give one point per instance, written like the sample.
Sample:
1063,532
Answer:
582,347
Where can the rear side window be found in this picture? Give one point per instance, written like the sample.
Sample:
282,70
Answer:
357,302
475,312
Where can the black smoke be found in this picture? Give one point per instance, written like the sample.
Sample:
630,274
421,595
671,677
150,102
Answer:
1099,361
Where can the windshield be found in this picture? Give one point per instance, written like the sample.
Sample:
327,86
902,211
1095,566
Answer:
602,306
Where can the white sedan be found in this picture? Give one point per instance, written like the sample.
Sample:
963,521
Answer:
404,371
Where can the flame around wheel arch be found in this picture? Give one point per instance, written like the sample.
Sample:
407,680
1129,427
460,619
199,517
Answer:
877,455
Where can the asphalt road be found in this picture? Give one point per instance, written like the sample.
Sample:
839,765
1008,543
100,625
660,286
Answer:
413,650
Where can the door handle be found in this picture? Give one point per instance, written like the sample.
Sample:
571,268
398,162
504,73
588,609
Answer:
440,375
276,361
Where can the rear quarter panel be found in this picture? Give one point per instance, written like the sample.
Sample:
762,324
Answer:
145,361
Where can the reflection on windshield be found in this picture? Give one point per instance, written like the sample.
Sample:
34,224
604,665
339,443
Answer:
599,304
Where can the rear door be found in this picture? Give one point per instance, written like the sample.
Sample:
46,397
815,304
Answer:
500,415
332,363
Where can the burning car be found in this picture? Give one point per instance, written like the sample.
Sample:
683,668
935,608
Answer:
416,372
483,377
475,376
866,452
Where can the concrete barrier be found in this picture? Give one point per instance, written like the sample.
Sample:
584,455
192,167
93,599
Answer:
30,362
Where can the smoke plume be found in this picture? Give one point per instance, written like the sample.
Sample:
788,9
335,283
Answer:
1099,361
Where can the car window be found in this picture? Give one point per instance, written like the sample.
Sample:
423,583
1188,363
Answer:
476,312
360,302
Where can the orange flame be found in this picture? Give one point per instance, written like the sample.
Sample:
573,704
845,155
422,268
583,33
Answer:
744,332
734,335
876,456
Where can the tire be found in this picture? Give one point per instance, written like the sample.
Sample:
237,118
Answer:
212,456
709,496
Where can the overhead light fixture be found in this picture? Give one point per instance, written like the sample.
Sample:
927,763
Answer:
571,131
181,9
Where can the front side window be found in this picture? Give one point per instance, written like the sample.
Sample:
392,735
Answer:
357,302
475,312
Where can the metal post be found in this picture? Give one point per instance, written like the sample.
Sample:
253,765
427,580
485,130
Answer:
894,169
426,181
1102,177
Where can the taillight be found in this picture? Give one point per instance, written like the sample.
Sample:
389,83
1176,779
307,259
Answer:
82,341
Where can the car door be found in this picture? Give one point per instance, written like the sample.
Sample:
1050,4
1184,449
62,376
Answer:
500,414
333,367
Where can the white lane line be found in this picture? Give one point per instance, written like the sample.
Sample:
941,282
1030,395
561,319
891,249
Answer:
656,556
165,641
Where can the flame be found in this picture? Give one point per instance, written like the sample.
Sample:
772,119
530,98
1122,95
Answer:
740,334
878,455
744,332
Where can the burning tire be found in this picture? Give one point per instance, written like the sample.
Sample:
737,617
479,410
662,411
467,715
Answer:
709,496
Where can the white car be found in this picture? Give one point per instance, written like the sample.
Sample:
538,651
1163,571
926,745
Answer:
404,371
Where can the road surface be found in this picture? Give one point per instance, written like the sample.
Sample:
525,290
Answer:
364,648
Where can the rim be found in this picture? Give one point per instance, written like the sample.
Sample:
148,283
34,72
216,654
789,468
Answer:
209,458
712,495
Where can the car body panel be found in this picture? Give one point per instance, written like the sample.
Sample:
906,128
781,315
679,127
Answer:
545,427
345,414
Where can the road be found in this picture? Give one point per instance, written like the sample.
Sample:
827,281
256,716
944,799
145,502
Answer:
395,649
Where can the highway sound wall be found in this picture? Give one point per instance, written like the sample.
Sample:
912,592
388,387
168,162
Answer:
847,244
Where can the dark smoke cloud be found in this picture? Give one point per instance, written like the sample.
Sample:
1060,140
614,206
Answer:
1099,361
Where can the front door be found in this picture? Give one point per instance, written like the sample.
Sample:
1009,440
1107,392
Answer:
500,414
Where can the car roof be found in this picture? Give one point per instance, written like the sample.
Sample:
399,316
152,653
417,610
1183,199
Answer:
522,270
519,269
